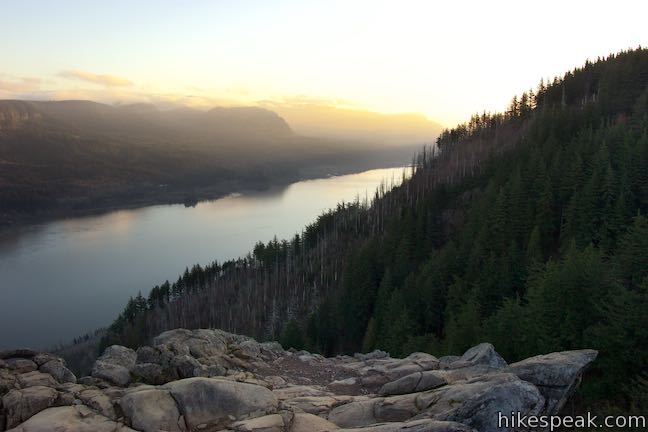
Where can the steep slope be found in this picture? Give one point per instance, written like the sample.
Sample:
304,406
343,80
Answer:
524,228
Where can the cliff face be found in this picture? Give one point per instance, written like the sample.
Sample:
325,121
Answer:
14,114
211,380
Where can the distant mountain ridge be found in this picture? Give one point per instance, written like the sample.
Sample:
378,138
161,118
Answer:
143,119
63,156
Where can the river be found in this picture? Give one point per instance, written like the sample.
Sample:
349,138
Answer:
64,278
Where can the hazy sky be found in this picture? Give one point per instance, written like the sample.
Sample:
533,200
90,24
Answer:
445,59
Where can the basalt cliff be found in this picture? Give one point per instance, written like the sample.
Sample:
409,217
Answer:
211,380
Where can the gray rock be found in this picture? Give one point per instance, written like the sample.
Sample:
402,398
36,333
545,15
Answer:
355,414
247,350
396,408
272,350
147,354
268,423
7,381
446,361
98,401
187,366
25,353
59,372
348,386
35,378
556,375
42,358
112,373
19,405
423,425
304,422
376,354
151,410
424,360
119,355
483,354
20,365
153,373
217,402
416,382
77,418
114,365
478,401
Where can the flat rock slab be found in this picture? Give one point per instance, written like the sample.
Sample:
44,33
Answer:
217,402
70,419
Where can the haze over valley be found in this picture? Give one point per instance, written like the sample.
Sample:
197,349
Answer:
68,157
353,216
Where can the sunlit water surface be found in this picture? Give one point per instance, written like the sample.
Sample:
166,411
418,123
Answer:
61,279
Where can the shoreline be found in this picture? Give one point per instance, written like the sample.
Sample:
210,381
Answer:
148,198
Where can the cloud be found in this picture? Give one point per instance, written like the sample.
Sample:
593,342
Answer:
105,80
19,85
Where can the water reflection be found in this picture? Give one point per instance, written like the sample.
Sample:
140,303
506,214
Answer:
61,279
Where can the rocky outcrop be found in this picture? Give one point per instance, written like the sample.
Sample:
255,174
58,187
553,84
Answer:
556,375
211,380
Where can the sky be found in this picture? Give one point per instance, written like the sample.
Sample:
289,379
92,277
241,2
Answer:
442,59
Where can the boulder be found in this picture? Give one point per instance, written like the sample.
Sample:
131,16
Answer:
446,361
247,350
187,366
7,381
59,372
153,373
217,402
19,405
424,360
77,418
41,358
416,382
304,422
114,365
376,354
556,375
268,423
98,401
112,373
355,414
20,365
35,378
272,350
348,386
151,410
317,405
478,401
147,354
396,408
483,354
119,355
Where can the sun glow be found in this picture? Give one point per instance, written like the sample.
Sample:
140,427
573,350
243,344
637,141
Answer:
443,60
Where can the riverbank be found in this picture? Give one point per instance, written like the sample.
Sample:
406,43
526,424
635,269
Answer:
163,195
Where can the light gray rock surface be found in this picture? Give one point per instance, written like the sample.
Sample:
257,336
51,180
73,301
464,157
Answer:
151,410
556,375
211,380
217,402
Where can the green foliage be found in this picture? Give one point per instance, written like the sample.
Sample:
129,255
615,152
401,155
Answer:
525,229
293,336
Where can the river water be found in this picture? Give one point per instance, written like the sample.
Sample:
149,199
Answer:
61,279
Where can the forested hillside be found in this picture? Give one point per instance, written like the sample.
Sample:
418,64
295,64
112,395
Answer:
526,229
59,158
